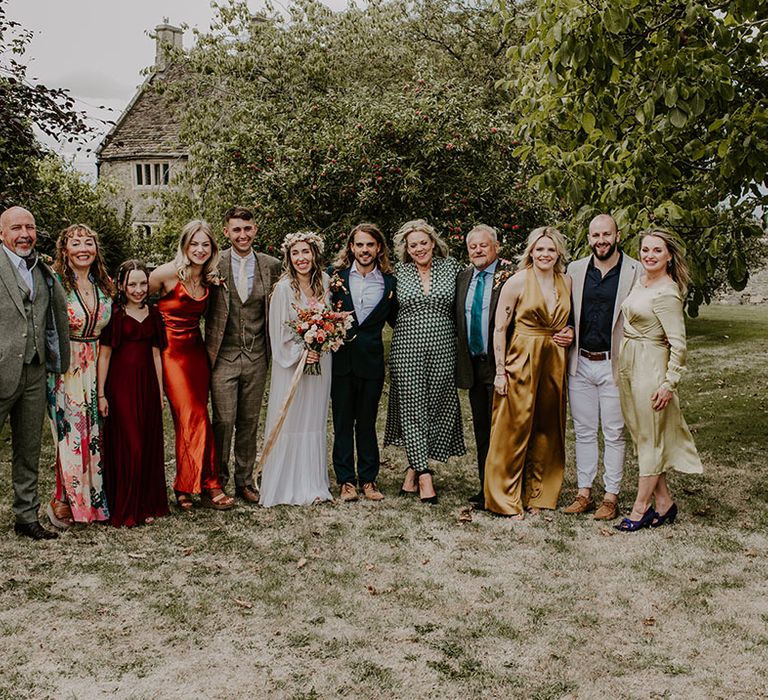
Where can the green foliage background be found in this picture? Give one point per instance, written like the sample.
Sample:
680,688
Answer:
322,120
656,111
34,178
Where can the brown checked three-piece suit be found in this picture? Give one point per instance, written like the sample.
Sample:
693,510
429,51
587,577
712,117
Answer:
237,341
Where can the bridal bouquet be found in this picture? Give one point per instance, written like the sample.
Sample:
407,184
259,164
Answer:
321,329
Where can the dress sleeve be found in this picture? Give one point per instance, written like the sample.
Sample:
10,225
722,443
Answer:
286,350
668,307
159,338
110,334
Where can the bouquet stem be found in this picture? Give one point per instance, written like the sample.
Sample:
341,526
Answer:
313,369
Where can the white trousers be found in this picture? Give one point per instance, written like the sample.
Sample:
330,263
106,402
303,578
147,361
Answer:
594,399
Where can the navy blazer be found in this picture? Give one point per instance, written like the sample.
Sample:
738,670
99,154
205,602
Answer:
362,354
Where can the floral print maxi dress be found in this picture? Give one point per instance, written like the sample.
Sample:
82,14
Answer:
73,404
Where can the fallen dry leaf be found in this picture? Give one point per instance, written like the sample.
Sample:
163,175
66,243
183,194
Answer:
242,603
548,518
425,562
751,553
649,621
372,590
465,515
137,556
302,562
606,532
187,551
370,567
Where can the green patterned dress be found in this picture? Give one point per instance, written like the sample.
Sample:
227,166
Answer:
424,412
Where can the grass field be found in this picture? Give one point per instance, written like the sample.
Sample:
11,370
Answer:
400,600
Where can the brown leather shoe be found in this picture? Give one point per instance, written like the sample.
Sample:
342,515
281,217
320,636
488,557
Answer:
248,494
608,510
348,492
371,492
581,504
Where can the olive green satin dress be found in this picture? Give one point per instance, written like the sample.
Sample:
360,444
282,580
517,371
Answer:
653,355
526,455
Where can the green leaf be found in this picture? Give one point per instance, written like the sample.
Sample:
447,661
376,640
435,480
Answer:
738,275
588,122
649,109
678,118
670,97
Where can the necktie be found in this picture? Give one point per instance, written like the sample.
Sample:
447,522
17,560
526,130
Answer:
476,317
242,281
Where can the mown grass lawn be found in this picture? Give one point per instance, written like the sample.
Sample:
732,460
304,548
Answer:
400,600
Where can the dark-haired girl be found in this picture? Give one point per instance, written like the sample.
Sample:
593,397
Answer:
130,382
72,396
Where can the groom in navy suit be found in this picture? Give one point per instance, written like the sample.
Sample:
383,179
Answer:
363,283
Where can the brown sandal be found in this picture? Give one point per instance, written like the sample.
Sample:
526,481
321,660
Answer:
184,501
60,514
217,500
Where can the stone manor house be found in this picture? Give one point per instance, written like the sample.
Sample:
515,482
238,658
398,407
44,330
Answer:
143,151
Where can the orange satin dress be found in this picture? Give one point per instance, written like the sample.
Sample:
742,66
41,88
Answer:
526,454
187,379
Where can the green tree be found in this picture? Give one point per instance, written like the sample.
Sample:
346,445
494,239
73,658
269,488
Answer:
654,110
64,196
323,119
32,176
25,104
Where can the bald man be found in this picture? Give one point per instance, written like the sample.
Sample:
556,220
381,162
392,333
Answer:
34,335
601,283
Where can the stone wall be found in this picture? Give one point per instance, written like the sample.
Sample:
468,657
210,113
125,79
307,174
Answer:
145,199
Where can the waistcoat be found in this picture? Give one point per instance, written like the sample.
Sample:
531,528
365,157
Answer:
244,332
35,310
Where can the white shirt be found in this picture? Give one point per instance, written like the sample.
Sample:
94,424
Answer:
250,266
21,265
366,291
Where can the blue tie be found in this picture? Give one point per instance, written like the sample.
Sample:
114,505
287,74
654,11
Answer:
476,317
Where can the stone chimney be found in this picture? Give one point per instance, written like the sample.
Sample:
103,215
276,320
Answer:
166,36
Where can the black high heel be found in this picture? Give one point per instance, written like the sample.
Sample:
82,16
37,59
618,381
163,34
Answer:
405,492
432,500
668,517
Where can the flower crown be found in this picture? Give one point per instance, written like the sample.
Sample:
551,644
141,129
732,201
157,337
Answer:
309,236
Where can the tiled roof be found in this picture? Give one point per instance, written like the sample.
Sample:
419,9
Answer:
149,126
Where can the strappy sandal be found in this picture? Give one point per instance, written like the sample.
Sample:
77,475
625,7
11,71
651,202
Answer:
60,514
184,501
216,499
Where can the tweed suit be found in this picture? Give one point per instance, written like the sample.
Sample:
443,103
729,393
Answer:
34,334
237,341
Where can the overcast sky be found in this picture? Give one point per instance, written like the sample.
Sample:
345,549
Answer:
98,48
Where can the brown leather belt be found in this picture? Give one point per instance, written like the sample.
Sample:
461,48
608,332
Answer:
595,356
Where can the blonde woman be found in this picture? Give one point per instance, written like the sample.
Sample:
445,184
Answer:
183,285
423,412
526,456
651,363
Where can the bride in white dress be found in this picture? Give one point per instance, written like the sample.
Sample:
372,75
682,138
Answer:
296,470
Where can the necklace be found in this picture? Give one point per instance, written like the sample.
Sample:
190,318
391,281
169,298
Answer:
195,287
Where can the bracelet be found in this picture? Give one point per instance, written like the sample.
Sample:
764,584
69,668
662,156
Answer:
101,396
